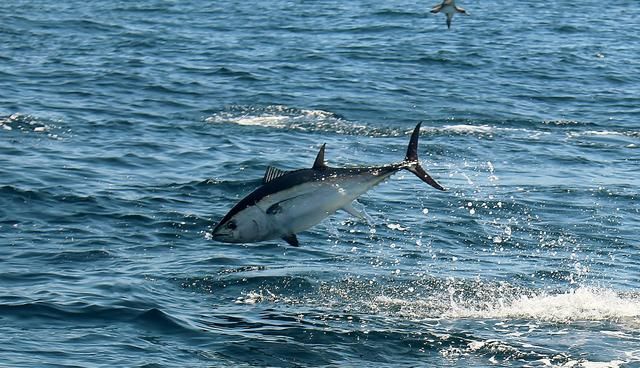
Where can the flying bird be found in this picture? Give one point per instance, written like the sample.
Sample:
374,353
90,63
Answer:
449,8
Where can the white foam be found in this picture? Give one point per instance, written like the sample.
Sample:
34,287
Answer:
603,133
396,227
582,304
469,129
254,297
278,116
271,117
598,133
318,114
267,121
561,122
587,364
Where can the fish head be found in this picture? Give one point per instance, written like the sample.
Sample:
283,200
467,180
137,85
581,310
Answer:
227,232
246,226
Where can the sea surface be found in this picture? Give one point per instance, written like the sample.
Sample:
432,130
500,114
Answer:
129,128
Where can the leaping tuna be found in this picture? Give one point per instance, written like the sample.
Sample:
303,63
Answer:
289,202
449,8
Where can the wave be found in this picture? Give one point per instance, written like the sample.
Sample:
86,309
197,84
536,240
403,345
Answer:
435,298
581,304
236,74
29,124
468,129
315,120
605,133
563,123
274,116
86,214
64,312
377,344
432,314
83,313
160,320
283,117
250,278
396,12
70,256
23,195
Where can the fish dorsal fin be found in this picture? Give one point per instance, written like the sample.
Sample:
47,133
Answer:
272,173
319,162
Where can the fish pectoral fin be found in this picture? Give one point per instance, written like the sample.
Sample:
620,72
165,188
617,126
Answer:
355,213
436,9
292,240
461,10
281,206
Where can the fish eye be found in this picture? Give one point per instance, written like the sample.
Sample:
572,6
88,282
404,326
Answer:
232,225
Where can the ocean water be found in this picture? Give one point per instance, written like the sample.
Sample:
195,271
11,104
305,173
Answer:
129,128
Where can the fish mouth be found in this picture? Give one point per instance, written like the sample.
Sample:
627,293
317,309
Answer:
222,236
217,235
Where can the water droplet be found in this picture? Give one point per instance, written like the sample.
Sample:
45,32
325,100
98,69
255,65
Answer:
490,165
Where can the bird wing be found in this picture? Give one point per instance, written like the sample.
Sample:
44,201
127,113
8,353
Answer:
460,10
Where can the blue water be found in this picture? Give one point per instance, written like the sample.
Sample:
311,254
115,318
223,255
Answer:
128,129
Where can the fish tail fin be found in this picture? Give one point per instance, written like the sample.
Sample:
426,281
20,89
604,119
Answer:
413,164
